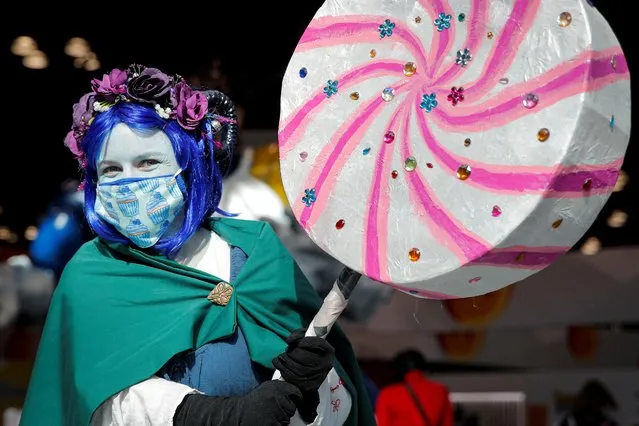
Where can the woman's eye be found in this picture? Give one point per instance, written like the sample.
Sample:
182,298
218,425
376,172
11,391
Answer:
149,163
110,170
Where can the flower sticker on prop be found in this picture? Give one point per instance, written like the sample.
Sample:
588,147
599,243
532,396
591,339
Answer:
442,22
429,102
386,29
456,95
309,197
331,88
463,57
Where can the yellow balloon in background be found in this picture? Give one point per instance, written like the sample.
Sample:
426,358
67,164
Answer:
266,167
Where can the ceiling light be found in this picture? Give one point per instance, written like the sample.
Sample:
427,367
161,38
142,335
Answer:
591,246
5,233
77,47
622,181
23,46
617,219
30,233
92,65
36,60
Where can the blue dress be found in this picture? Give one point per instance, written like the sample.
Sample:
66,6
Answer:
221,368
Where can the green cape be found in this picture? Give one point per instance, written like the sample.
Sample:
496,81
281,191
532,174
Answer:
119,314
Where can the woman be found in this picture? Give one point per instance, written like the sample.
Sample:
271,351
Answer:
415,400
171,316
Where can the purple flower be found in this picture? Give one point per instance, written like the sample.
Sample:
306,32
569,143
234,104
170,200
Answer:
151,86
72,142
190,106
111,85
83,111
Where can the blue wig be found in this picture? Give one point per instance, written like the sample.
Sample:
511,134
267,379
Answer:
194,154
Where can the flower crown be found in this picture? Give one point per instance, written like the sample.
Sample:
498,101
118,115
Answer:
172,98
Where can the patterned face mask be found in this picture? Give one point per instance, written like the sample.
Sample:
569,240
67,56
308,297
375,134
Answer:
141,209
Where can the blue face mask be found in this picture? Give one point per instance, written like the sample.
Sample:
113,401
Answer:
141,209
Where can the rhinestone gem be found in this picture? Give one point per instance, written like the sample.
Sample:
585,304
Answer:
613,62
543,135
372,53
394,174
354,96
410,164
461,17
340,224
565,19
503,80
389,137
490,35
520,257
467,142
463,172
303,72
418,19
429,165
530,101
474,280
587,186
388,94
365,151
414,254
496,211
556,224
410,69
303,156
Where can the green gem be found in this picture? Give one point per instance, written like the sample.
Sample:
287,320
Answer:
410,164
461,17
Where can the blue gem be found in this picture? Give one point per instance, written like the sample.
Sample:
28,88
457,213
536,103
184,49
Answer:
612,122
303,72
386,29
442,22
429,102
309,197
331,88
366,151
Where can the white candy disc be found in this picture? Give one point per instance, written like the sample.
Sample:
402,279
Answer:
451,148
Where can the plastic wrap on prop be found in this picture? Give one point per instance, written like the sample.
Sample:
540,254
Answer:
451,148
322,270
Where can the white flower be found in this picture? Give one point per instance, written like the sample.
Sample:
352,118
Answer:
163,112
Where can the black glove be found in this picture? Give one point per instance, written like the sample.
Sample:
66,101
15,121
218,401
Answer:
305,364
272,403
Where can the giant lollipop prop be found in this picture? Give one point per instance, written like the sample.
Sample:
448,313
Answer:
451,148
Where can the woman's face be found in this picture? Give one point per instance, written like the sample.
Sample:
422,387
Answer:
127,154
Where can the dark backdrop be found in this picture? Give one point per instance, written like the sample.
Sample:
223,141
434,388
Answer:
254,41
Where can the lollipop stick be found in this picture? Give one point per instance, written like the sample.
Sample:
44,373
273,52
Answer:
334,304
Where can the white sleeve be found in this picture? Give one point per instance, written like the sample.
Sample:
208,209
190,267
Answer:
149,403
334,406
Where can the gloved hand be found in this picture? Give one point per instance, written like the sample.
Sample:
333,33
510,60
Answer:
305,364
272,403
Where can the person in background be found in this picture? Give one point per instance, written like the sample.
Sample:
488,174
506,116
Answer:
415,400
61,232
591,407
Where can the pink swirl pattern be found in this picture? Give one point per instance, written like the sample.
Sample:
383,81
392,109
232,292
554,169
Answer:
487,100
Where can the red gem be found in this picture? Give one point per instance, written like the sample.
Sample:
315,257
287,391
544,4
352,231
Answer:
429,165
394,174
587,186
340,224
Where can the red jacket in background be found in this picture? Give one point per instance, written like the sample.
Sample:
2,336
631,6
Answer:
396,406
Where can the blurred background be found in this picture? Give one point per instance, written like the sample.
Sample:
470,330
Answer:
531,346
